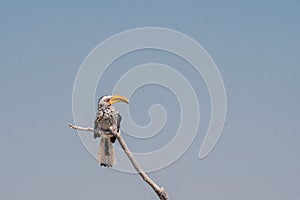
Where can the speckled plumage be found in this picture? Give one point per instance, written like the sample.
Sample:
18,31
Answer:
107,116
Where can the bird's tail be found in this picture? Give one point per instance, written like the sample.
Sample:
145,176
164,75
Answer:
106,155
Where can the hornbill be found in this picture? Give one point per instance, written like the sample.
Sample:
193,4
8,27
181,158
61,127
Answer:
107,119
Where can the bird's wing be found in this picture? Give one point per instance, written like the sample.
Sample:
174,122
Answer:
119,118
97,125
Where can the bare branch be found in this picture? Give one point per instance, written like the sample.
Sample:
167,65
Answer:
160,191
81,128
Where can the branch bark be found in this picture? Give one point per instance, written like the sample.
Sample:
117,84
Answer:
160,191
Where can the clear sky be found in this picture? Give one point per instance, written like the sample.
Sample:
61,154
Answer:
255,45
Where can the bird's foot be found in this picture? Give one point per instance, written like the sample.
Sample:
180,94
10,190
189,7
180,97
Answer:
104,165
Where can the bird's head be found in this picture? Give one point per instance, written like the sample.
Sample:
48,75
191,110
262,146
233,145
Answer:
108,100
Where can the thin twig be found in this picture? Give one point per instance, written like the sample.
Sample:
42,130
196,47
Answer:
81,128
160,191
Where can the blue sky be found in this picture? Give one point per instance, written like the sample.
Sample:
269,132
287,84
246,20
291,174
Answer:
255,46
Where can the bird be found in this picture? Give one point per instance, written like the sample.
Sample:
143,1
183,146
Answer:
107,120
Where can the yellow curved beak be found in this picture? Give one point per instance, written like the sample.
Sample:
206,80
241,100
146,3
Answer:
117,98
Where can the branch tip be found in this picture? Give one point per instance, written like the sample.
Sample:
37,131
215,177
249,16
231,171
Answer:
160,191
